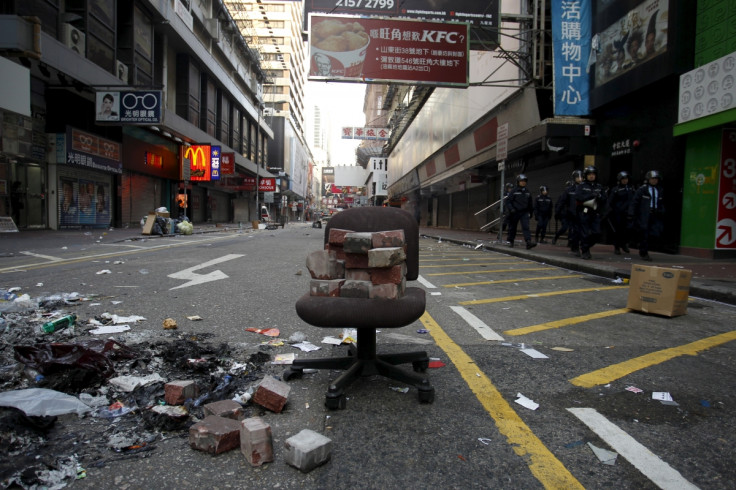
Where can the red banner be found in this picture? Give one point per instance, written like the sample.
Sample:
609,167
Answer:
227,163
267,184
360,49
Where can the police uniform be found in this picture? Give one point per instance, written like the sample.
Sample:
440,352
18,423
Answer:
520,205
589,197
542,213
619,200
647,212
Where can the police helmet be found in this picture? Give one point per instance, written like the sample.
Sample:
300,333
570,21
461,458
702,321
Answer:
509,186
576,174
521,177
621,176
543,188
653,174
590,170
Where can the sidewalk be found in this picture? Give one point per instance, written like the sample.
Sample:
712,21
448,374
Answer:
712,279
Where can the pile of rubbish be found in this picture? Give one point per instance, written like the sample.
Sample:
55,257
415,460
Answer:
71,400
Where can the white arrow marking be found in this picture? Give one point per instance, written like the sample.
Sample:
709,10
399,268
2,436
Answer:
194,278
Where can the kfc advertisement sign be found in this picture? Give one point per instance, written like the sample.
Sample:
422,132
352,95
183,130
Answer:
344,48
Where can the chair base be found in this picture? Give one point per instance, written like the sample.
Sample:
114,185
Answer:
363,361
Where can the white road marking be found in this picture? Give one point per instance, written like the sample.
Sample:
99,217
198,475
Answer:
650,465
47,257
484,330
426,283
194,278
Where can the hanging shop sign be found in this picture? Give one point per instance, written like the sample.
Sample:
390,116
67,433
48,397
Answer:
215,163
199,162
131,106
726,221
90,151
571,38
227,163
268,184
356,49
380,134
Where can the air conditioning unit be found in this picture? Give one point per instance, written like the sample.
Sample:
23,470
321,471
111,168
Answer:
122,72
74,39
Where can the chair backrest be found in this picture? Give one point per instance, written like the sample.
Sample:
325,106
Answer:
375,218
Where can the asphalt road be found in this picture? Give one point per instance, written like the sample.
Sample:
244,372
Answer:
481,307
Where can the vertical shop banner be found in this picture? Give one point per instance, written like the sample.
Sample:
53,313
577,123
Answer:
726,221
215,163
227,163
571,37
357,49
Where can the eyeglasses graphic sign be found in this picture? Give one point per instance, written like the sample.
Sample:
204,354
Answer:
132,107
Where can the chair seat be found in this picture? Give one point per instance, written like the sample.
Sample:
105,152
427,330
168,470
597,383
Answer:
330,312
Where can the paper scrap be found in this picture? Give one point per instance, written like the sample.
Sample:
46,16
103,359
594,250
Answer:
400,389
194,318
284,358
662,396
604,455
332,341
634,389
271,332
104,271
526,402
484,440
534,353
563,349
110,329
436,364
306,346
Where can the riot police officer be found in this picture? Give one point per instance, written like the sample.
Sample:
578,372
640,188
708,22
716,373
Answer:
647,212
565,212
590,198
520,205
619,200
542,213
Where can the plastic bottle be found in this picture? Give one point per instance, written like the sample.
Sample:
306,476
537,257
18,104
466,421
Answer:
59,323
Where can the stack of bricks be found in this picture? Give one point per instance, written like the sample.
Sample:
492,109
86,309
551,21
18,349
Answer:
360,265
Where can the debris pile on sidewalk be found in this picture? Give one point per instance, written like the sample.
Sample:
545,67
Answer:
71,400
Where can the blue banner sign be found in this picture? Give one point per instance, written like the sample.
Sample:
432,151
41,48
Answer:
571,37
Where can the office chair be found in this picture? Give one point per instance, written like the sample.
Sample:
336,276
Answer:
367,315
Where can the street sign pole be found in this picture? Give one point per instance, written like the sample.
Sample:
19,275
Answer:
502,146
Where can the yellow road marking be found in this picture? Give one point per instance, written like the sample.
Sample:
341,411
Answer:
565,322
477,265
545,467
464,273
498,281
617,371
536,295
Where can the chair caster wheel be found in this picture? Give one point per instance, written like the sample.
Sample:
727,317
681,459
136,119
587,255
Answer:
291,373
426,396
420,366
336,402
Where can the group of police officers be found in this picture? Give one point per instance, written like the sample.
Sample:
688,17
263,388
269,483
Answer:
582,208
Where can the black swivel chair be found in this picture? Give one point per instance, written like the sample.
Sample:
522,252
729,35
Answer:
367,315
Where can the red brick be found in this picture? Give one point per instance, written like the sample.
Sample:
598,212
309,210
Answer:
384,291
230,409
356,289
331,288
256,441
272,394
323,264
358,243
358,274
177,392
386,257
356,261
215,435
392,238
337,236
388,275
339,251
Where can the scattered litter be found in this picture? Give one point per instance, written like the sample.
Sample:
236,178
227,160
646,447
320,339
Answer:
400,389
117,409
664,398
93,401
435,294
422,330
306,346
122,319
118,262
634,389
563,349
194,318
42,402
618,280
604,455
110,329
349,336
571,445
284,358
129,383
705,403
478,246
169,324
274,343
332,341
484,440
534,353
271,332
436,364
115,302
297,337
104,271
526,402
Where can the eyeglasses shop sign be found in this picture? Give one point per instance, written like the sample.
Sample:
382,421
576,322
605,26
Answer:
131,107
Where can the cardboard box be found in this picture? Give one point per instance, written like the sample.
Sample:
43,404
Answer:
659,290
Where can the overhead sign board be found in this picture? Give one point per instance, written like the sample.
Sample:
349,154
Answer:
484,17
356,49
200,165
130,106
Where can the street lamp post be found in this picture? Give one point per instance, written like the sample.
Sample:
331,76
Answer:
258,163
